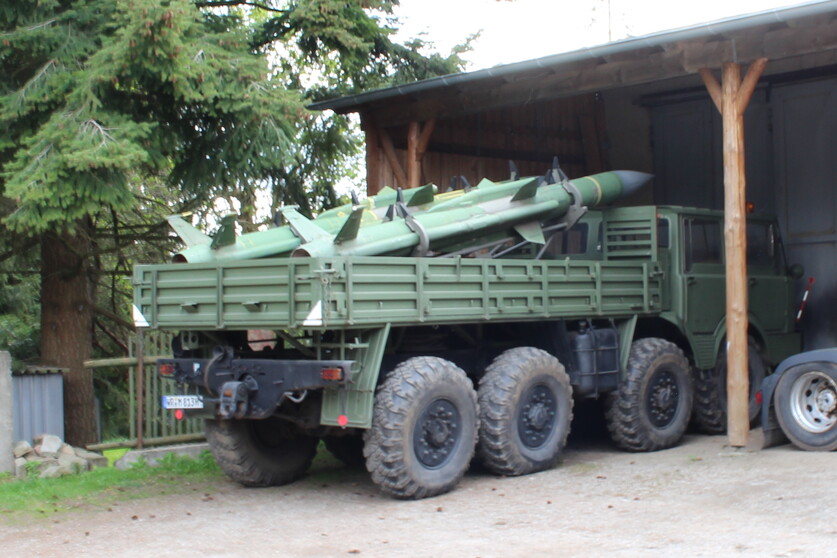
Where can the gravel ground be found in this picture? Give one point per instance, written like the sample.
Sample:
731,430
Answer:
699,499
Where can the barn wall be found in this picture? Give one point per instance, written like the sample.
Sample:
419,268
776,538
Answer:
791,162
480,145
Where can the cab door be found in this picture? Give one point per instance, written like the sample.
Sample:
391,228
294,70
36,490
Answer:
703,273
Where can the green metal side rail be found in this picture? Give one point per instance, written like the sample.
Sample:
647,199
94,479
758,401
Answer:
339,292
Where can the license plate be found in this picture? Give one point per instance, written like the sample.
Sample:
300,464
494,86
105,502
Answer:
182,402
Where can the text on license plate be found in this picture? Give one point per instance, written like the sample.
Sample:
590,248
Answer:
182,402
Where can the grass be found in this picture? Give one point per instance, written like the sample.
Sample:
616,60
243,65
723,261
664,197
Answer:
99,488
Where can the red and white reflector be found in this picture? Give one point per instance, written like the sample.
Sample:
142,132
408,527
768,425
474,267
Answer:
179,414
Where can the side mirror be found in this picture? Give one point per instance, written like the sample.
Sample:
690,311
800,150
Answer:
796,271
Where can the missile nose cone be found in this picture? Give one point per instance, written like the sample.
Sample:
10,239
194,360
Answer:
632,180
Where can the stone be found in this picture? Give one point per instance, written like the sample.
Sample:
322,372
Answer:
152,456
48,444
94,459
54,471
20,467
72,463
22,449
67,449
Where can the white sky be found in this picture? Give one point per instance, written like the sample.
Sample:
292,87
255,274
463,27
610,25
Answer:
524,29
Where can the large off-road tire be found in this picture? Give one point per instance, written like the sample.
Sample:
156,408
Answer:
424,429
710,408
806,405
525,404
348,449
650,411
267,452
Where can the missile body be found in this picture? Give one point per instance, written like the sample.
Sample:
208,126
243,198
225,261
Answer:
519,206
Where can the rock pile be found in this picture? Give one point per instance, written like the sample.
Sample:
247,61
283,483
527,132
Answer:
50,457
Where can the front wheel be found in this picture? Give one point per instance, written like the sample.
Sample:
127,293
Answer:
710,408
424,429
650,411
806,405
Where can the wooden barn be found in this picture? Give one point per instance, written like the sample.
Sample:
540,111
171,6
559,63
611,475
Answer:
652,104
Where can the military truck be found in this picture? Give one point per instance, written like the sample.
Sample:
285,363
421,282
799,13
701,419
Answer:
415,365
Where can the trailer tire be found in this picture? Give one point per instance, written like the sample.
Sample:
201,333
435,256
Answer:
348,449
267,452
806,405
651,409
424,429
710,408
525,404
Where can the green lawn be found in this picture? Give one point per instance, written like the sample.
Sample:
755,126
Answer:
97,489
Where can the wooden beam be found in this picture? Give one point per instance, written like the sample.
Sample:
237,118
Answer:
392,158
413,159
731,98
712,86
373,154
745,92
424,138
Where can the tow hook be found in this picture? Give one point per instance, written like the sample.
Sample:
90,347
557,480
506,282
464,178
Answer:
235,397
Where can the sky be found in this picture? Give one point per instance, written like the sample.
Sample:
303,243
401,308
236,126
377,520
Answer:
517,30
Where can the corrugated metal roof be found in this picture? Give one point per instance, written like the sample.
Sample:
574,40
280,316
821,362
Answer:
712,30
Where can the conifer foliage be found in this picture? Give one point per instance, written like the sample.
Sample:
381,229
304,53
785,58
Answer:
101,99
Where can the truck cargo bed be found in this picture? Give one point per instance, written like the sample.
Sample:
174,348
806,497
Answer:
338,292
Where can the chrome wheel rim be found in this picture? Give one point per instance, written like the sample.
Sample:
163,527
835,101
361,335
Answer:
813,402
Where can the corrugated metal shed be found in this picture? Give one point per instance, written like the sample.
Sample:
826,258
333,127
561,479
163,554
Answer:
39,403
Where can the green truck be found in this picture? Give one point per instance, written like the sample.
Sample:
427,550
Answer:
415,365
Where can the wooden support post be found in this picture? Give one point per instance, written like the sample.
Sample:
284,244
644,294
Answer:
732,99
373,155
413,163
417,139
392,158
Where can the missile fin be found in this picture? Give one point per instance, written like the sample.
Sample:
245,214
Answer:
189,234
421,196
306,230
531,232
526,191
350,228
226,232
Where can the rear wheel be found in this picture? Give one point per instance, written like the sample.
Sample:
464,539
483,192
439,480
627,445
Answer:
806,405
710,408
265,452
424,429
525,404
651,409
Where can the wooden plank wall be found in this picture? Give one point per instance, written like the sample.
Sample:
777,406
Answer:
479,145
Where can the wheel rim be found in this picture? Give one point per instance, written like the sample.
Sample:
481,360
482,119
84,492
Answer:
662,400
813,402
536,417
436,433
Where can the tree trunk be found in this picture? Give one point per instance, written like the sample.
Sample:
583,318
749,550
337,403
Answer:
66,326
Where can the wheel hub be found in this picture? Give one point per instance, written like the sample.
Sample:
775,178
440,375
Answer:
663,395
537,416
436,433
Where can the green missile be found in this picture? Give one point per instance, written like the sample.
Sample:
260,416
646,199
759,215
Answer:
517,207
280,241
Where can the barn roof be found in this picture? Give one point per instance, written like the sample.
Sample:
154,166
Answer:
793,39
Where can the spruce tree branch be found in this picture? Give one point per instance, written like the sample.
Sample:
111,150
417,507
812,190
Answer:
228,3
